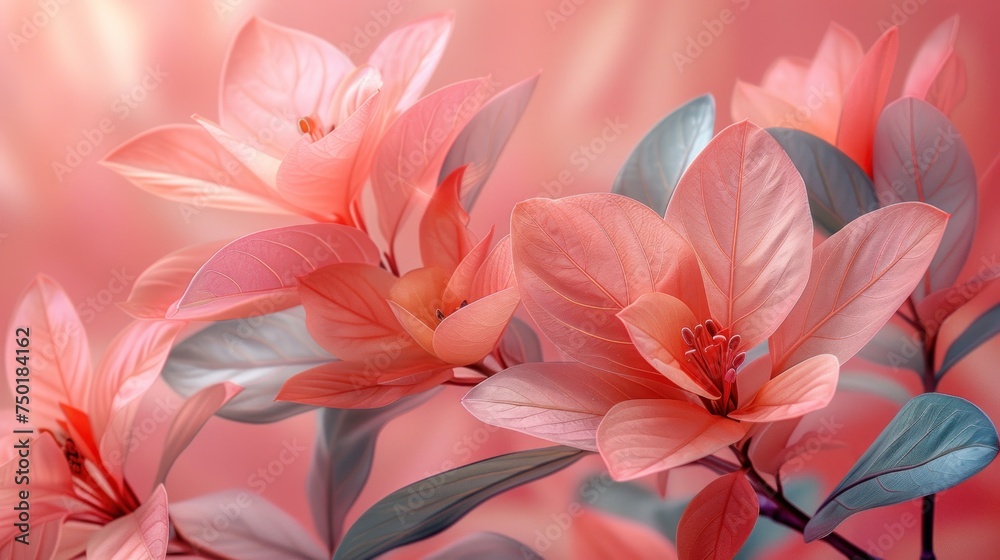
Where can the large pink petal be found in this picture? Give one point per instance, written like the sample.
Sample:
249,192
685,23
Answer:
58,368
445,238
348,314
274,76
258,273
785,77
470,333
360,385
184,163
598,536
836,62
407,57
719,519
140,535
560,402
763,107
859,278
580,260
799,390
743,207
496,272
641,437
160,286
937,74
864,99
654,322
262,164
190,419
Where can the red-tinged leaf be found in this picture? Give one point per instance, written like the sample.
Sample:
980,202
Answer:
445,237
937,74
598,536
642,437
407,57
497,271
185,164
959,322
718,520
482,140
580,260
559,402
864,99
981,263
360,385
60,371
273,76
141,535
414,146
807,386
919,156
462,284
160,286
472,332
259,273
859,278
743,207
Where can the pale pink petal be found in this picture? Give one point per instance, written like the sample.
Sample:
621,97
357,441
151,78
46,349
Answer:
44,541
258,273
190,419
421,331
719,519
140,535
59,368
260,163
837,61
418,292
360,385
354,91
496,272
786,77
273,76
408,56
742,205
470,333
864,99
769,445
598,536
859,278
799,390
560,402
937,74
184,163
654,322
159,287
761,106
445,237
641,437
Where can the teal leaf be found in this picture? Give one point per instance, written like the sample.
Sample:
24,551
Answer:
839,191
985,327
935,442
652,170
430,506
486,546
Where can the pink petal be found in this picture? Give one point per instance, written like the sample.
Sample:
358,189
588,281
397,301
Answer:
420,331
859,278
445,238
160,286
560,402
360,385
719,519
59,363
836,62
937,74
598,536
641,437
807,386
418,293
357,87
262,164
748,219
472,332
496,272
864,98
580,260
408,56
348,314
762,107
140,535
273,76
769,446
785,78
184,163
258,273
654,322
190,419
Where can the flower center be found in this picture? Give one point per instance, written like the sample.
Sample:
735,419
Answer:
307,125
714,355
94,486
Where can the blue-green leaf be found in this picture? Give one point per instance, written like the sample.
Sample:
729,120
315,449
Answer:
839,191
430,506
486,546
935,442
258,353
985,327
652,170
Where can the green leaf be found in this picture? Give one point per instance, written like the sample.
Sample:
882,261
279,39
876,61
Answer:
430,506
935,442
985,327
652,170
839,191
